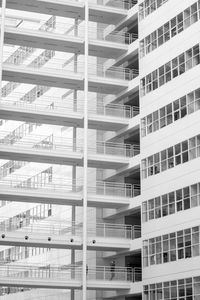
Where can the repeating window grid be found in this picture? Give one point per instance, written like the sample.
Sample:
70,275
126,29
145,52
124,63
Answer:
182,289
171,157
171,247
173,202
170,113
170,29
170,70
149,6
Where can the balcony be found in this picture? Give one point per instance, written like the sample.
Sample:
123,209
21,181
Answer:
62,36
68,112
108,12
64,192
66,277
56,72
66,151
31,232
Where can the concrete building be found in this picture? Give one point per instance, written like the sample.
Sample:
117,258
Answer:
99,149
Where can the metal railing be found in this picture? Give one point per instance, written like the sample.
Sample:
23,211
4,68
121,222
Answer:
60,144
105,188
102,188
108,230
135,110
136,274
59,64
136,232
55,228
97,33
118,149
57,105
120,4
40,272
64,273
39,142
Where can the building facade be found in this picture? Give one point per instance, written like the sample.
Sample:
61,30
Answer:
99,150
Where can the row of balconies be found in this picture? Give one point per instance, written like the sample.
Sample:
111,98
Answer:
58,105
60,112
69,276
62,228
59,65
57,143
65,28
114,8
103,194
58,150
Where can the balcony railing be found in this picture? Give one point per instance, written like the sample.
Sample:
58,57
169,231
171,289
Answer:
136,274
60,144
57,228
65,28
136,232
109,189
109,148
116,189
61,65
68,106
67,273
121,4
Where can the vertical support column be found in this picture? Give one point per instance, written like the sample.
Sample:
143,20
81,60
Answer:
73,216
72,250
74,139
85,153
3,12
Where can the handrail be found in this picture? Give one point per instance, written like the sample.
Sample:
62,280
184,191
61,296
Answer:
119,4
74,105
61,184
99,70
55,143
68,272
76,30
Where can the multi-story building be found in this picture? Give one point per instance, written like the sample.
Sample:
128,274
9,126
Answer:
99,142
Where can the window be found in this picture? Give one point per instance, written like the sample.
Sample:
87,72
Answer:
170,113
174,246
173,202
164,33
170,70
149,6
171,157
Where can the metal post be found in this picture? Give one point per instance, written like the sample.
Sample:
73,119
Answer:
3,12
85,153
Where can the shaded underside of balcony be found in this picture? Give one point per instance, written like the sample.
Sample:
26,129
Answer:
60,79
61,118
64,43
67,198
70,9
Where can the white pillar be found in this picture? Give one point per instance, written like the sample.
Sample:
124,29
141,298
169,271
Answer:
3,11
85,153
